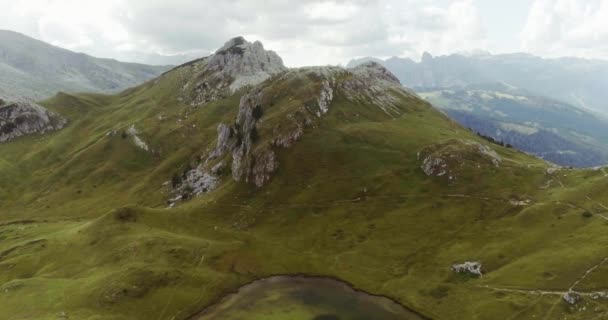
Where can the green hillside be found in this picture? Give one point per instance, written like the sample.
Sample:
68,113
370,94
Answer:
86,231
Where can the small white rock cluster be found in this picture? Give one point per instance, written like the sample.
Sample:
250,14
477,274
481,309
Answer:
133,133
470,267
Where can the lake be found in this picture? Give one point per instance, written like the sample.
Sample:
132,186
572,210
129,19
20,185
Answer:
304,298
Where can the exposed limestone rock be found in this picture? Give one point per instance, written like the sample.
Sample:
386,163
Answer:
372,83
376,73
473,268
454,157
195,182
285,135
571,297
520,203
24,118
485,150
265,165
199,180
325,97
226,141
250,112
133,133
599,295
236,65
434,166
247,63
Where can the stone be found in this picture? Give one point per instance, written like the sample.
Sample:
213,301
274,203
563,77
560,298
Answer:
473,268
133,133
325,98
571,297
265,165
371,82
225,141
238,64
25,118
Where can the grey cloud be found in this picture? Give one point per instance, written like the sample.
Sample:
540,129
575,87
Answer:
327,31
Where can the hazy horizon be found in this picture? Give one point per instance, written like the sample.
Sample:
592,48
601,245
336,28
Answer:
328,32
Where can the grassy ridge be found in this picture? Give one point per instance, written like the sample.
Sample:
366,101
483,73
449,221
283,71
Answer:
84,229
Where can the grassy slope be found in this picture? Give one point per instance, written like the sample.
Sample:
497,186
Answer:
84,231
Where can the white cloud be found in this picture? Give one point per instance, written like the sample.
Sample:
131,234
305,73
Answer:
436,29
567,28
303,32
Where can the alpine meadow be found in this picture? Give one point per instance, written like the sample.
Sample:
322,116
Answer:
237,186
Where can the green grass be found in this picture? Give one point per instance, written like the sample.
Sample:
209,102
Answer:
85,230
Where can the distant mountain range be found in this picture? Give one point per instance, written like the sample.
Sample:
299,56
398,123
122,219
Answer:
548,107
552,130
579,82
35,70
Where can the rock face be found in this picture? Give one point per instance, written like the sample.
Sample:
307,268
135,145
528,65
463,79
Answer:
24,118
133,133
236,65
259,166
473,268
245,62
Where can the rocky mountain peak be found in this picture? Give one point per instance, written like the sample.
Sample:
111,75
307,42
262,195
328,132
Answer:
24,118
232,44
248,63
375,71
235,65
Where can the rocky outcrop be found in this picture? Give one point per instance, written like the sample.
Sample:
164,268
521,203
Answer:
245,62
236,65
133,133
197,181
373,84
473,268
250,112
25,118
454,157
571,297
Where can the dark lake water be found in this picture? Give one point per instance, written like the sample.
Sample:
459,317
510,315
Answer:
304,298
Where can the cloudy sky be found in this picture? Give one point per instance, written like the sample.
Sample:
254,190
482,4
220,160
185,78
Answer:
313,32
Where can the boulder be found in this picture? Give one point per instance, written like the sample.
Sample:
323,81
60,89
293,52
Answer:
571,297
469,267
25,118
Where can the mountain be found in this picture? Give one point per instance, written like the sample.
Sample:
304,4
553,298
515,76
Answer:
579,82
552,130
36,70
159,201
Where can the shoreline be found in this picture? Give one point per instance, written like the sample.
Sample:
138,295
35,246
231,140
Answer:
301,276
